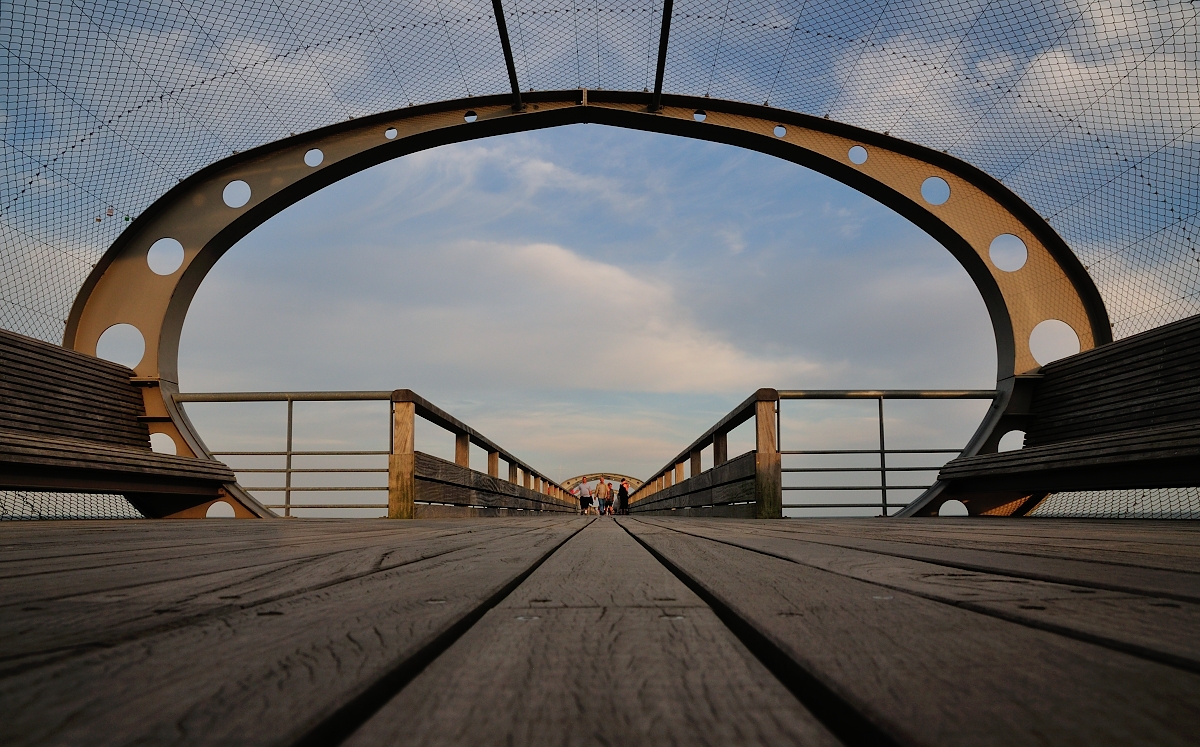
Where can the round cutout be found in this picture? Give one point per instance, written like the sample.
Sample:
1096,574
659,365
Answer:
700,115
236,194
123,344
470,116
390,133
1011,441
858,155
953,508
165,256
314,158
161,443
1008,252
220,510
935,190
1051,340
780,130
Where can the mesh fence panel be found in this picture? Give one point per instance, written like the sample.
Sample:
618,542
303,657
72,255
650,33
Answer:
1087,110
19,505
1174,503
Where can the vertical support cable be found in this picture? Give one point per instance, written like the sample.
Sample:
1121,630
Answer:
502,27
882,461
663,35
287,476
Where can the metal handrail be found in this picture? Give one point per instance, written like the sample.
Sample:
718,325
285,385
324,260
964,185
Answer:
423,408
879,395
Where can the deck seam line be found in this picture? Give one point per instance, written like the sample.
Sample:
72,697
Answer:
86,648
846,722
1040,556
1132,649
340,725
969,566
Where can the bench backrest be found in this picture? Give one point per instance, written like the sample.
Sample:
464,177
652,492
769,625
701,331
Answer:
47,390
1149,379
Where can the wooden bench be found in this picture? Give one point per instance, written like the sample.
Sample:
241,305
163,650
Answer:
1123,415
73,423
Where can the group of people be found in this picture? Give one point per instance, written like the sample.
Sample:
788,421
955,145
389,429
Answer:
602,500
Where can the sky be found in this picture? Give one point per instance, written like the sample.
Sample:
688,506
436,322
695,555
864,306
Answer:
591,299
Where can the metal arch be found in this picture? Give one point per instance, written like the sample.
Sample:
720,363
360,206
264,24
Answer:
122,289
570,483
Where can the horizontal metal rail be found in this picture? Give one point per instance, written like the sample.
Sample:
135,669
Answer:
878,395
421,407
887,394
309,489
857,487
892,504
299,453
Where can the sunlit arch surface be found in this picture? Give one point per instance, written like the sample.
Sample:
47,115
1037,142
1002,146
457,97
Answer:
960,206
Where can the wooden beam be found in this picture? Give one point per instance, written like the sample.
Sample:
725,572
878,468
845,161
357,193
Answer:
697,466
494,463
462,450
768,478
720,448
402,483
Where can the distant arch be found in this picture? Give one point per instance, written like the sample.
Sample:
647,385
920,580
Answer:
612,477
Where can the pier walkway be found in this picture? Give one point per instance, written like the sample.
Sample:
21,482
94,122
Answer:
578,630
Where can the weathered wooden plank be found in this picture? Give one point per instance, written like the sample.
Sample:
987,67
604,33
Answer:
931,673
1143,626
1109,557
600,645
731,482
439,481
59,614
270,673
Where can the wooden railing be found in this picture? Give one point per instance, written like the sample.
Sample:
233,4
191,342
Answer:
749,486
418,485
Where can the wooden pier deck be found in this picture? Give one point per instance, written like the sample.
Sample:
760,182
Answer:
600,631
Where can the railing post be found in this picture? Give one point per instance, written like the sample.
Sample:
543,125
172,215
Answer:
287,478
512,473
462,450
679,476
402,479
527,480
882,461
768,478
696,465
494,463
720,448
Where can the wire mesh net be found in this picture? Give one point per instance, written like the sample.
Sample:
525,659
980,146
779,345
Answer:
19,505
1173,503
1086,110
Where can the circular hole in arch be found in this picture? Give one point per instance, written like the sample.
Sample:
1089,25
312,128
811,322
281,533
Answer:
953,508
700,115
314,157
858,155
1012,441
1008,252
935,190
123,344
161,443
220,510
390,133
165,256
780,130
1051,340
470,116
236,194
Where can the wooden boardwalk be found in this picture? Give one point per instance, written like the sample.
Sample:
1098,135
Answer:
581,631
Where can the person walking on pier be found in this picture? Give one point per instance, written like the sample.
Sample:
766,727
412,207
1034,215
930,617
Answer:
623,498
602,495
585,497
